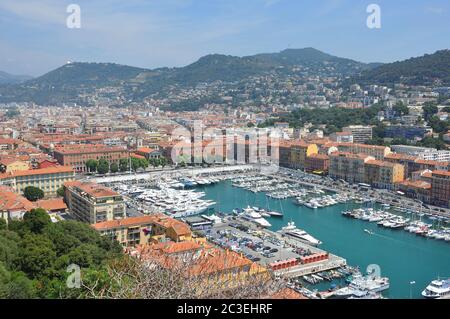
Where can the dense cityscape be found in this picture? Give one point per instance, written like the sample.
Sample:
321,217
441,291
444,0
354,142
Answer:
289,175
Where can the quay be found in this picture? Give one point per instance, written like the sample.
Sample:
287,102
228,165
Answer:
288,248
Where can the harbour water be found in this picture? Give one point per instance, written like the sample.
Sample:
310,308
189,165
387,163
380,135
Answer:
401,256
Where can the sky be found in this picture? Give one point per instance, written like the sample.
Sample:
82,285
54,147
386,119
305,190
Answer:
35,39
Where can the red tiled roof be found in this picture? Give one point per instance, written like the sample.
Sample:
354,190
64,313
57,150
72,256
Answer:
93,189
51,204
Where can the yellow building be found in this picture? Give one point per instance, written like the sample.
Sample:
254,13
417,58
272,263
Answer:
133,231
48,179
93,203
383,174
9,165
300,151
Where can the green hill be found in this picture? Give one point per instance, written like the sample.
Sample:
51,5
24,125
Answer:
428,69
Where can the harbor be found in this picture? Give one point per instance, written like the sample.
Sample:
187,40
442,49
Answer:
402,256
304,218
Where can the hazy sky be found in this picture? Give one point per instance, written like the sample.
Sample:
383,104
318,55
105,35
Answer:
153,33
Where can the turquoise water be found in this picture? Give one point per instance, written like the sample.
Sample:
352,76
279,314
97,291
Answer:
402,256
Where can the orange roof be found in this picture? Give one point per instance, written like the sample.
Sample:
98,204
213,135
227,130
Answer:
87,149
381,163
175,247
51,204
416,184
9,160
146,150
12,201
9,141
210,260
41,171
126,222
93,189
442,173
133,155
286,293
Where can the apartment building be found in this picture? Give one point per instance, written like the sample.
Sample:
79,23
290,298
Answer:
133,231
417,189
348,166
48,179
379,152
93,203
360,133
413,164
76,156
317,163
426,153
440,188
300,150
383,174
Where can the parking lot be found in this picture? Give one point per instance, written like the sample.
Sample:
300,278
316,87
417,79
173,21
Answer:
257,245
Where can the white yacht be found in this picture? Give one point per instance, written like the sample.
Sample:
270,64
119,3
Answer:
437,289
292,230
250,214
369,283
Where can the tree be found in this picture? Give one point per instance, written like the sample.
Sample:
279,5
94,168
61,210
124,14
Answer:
114,167
135,163
143,162
33,193
37,255
3,224
153,162
91,165
163,161
36,220
60,191
400,109
429,109
103,166
123,165
15,285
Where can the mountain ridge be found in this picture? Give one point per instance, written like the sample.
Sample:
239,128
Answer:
7,78
68,82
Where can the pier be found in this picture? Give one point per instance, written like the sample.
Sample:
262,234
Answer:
284,253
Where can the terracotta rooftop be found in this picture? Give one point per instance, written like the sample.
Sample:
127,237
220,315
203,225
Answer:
51,204
287,293
122,223
93,189
416,184
40,171
381,163
441,173
12,201
87,148
145,150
